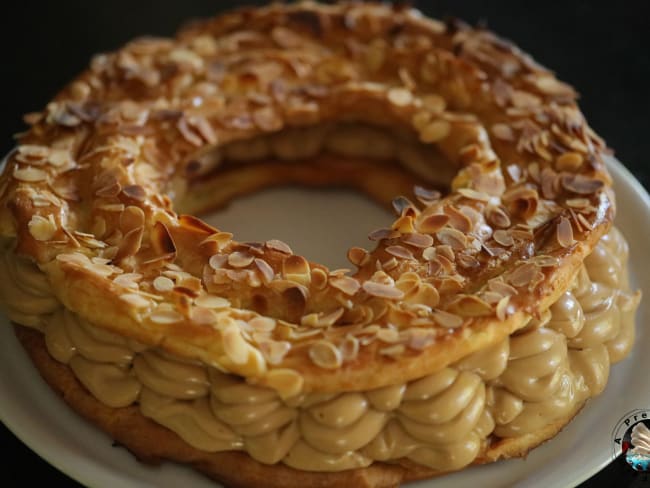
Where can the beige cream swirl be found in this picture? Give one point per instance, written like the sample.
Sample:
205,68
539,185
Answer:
440,422
564,358
537,385
99,359
25,291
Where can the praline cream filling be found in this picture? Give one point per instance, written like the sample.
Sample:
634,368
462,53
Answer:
540,374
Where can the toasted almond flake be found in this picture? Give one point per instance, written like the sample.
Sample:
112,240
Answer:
130,244
392,263
466,261
346,284
421,119
491,297
30,174
380,234
131,218
304,333
498,217
426,295
203,316
265,269
165,316
136,300
546,261
473,194
90,241
502,288
446,319
128,280
581,184
211,301
419,338
186,57
425,195
452,237
400,97
418,240
433,223
403,225
502,308
163,284
503,132
204,128
279,246
564,233
34,151
234,345
383,291
111,207
569,161
275,351
287,382
358,256
184,128
429,254
296,268
389,336
578,203
435,131
399,252
136,192
267,119
470,306
59,157
110,190
41,228
75,259
521,234
218,261
239,259
349,348
446,251
584,222
503,237
392,351
325,355
102,270
319,279
434,103
402,205
263,324
523,275
339,272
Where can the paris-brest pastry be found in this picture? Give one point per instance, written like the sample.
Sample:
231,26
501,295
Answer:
473,328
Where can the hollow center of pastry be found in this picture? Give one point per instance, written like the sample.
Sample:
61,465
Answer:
380,163
322,223
321,188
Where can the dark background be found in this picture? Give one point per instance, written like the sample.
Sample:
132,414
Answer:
601,48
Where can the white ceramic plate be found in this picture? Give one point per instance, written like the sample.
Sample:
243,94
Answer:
322,225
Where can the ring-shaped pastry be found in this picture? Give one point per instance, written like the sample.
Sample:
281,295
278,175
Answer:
94,191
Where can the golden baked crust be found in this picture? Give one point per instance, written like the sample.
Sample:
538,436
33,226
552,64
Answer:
85,194
151,443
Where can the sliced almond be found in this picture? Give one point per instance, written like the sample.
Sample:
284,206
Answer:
446,319
382,291
325,355
564,233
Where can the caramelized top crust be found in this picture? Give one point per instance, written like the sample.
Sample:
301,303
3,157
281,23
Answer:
88,194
